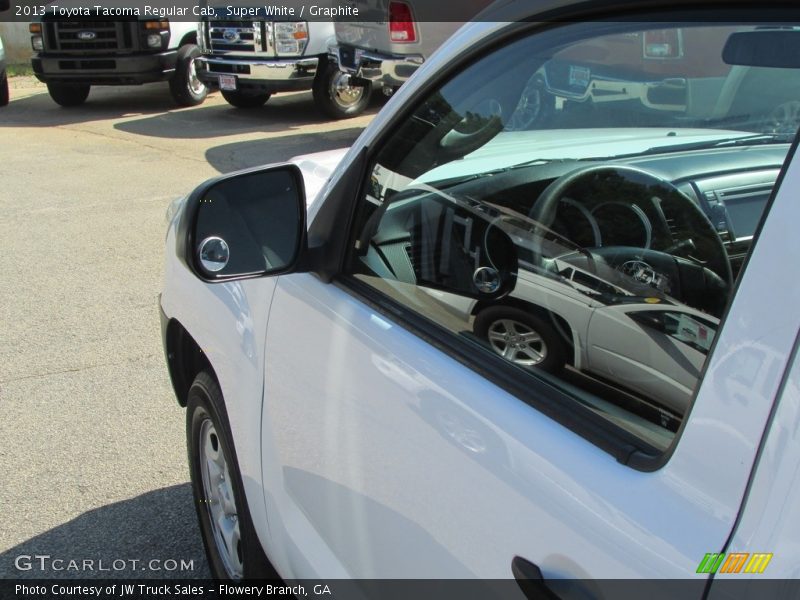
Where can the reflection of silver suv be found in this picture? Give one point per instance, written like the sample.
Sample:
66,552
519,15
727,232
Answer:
598,310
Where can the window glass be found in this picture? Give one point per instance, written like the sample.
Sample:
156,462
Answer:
580,202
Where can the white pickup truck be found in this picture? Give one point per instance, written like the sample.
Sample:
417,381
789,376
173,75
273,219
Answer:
392,39
72,54
249,59
361,337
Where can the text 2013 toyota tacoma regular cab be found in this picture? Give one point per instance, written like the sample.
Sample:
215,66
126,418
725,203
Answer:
464,350
250,59
74,53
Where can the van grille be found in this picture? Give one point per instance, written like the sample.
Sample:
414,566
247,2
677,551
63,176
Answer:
89,36
235,36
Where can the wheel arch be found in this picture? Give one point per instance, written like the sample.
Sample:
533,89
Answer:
189,38
560,324
185,360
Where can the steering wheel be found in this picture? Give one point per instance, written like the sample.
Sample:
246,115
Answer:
700,284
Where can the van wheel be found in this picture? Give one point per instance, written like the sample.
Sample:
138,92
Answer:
232,546
68,94
185,85
522,338
4,95
242,100
336,97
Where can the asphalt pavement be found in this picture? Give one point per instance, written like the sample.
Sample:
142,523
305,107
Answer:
93,468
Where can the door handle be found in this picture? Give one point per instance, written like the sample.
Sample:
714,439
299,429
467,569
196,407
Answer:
530,580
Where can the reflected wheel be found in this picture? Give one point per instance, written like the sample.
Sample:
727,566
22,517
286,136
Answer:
521,337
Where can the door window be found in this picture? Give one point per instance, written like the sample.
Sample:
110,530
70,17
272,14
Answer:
573,203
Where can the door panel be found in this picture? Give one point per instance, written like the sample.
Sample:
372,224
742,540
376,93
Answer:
401,462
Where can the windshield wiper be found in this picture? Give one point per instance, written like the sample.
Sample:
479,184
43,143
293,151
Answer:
746,140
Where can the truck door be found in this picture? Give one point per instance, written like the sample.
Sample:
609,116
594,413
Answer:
396,444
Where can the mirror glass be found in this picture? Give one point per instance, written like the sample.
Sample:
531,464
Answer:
250,224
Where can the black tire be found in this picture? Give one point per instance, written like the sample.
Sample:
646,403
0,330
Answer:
550,344
206,418
68,94
336,100
244,100
185,86
4,95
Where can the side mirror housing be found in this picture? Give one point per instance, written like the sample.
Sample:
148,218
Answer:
247,224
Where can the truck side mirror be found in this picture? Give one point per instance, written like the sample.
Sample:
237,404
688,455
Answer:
248,224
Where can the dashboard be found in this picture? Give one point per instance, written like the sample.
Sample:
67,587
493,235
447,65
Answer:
730,186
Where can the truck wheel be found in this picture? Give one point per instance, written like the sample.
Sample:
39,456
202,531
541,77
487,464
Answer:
334,95
521,337
4,95
185,85
232,546
242,100
68,94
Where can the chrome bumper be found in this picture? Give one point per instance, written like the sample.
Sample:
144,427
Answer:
257,70
389,69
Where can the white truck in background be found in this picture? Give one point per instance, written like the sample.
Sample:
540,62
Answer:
251,58
74,53
386,51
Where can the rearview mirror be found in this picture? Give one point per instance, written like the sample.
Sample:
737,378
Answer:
248,224
764,48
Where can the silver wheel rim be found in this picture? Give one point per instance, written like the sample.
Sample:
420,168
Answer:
195,85
517,342
219,500
343,94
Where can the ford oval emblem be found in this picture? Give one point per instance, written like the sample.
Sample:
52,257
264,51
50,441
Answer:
86,35
231,35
